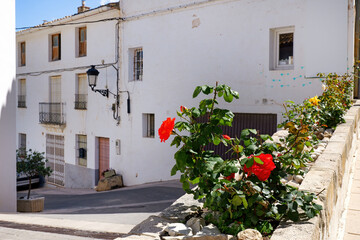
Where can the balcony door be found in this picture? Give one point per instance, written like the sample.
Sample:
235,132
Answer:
55,98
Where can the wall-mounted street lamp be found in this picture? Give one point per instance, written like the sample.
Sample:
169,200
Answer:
92,78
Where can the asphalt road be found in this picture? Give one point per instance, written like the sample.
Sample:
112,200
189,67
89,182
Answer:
138,201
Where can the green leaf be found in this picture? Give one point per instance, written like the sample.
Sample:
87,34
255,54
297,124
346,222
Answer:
236,201
244,202
174,170
258,160
253,131
216,140
228,97
195,181
250,162
196,91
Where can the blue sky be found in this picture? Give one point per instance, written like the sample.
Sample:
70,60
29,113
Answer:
33,12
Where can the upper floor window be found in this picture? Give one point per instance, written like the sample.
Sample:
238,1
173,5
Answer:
22,94
22,54
55,47
82,41
135,64
282,48
81,92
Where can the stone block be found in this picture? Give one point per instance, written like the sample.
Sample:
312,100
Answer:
181,208
332,162
249,234
352,222
109,183
152,224
303,230
322,182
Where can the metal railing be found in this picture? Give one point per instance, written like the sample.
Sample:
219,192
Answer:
52,113
21,101
80,101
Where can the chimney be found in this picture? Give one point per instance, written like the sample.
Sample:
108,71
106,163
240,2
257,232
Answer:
83,8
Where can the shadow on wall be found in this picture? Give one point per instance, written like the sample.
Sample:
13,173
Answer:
8,151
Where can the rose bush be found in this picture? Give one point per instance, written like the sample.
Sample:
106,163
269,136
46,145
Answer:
244,191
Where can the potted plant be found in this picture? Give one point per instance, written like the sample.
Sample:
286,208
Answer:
31,163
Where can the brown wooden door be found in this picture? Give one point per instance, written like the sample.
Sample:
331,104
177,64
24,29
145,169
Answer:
104,162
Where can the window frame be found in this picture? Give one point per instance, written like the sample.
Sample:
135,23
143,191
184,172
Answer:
22,55
81,144
148,125
81,95
22,142
22,93
138,64
54,49
275,48
82,45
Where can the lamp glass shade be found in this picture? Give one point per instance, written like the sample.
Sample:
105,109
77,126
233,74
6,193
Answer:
92,76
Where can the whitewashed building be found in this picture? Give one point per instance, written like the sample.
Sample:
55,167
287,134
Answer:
8,109
268,50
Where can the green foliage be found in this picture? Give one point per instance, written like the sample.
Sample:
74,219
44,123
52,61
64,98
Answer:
31,163
245,201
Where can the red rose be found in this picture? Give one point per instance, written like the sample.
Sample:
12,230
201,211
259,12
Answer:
166,128
226,137
182,108
230,177
262,171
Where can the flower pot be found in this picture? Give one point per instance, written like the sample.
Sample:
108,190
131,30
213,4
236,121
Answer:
30,205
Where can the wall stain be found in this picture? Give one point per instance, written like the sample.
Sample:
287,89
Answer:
196,22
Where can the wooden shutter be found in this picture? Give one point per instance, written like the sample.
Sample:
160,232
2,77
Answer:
56,46
22,51
55,89
82,41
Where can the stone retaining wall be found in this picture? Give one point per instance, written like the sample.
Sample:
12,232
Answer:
328,177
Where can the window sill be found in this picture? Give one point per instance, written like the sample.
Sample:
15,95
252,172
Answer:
81,56
280,68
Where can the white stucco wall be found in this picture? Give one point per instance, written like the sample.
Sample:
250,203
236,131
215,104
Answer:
8,109
226,41
97,120
230,45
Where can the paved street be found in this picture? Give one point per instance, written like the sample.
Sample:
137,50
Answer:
112,212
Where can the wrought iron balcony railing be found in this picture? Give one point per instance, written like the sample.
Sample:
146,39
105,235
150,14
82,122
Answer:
80,101
21,101
52,113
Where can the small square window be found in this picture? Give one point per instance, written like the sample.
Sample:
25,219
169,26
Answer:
149,125
282,48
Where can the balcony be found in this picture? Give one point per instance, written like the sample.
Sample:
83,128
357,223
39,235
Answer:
52,113
21,101
81,101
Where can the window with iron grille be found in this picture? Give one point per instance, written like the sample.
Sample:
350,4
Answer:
149,125
82,41
22,143
138,64
22,54
55,50
22,94
81,92
81,150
